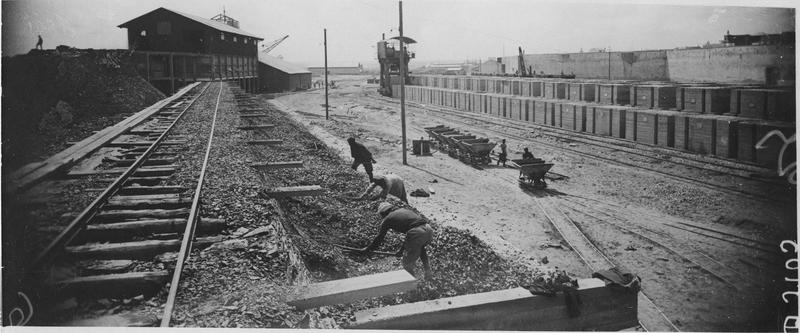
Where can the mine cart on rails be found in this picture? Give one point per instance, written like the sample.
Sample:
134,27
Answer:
532,172
463,146
389,58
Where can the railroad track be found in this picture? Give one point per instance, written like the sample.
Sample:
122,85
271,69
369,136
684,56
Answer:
124,243
457,116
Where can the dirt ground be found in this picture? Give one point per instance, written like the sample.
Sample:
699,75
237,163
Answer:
638,219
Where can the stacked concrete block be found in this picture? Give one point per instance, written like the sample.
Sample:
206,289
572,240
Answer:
540,109
702,134
631,120
555,90
772,104
664,97
580,117
575,91
618,122
555,114
515,108
589,119
568,116
602,121
643,96
605,93
691,99
769,155
717,100
726,131
681,136
537,89
647,127
589,91
622,94
665,135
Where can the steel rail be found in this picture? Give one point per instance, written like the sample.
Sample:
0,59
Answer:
191,224
80,221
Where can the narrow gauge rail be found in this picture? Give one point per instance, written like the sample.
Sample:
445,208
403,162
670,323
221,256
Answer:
699,182
135,205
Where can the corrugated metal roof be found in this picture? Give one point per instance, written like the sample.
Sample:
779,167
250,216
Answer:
280,64
208,22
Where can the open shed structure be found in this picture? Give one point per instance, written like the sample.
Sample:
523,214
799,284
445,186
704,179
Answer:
172,49
278,75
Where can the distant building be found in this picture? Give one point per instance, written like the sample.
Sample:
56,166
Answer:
278,75
173,48
318,71
491,66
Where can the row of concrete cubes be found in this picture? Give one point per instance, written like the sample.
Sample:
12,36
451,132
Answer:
719,135
743,101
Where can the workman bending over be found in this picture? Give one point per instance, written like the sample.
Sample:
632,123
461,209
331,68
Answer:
418,234
389,184
361,155
527,155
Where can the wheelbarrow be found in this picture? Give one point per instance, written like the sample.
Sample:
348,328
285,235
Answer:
532,172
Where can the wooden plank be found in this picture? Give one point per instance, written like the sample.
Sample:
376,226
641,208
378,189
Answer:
601,308
265,142
161,170
133,250
256,127
127,230
23,177
294,191
135,214
352,289
124,203
114,285
277,165
132,190
143,143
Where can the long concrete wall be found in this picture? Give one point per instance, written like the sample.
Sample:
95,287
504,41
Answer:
725,65
732,64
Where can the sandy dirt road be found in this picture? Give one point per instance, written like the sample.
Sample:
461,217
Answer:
708,259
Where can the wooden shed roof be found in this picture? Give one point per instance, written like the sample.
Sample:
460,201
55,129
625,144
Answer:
207,22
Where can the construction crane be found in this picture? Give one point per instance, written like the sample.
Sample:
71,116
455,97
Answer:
274,44
523,71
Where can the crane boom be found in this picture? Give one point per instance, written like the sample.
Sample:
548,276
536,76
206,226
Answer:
274,44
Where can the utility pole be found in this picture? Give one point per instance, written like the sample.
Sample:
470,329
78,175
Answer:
402,85
325,36
609,62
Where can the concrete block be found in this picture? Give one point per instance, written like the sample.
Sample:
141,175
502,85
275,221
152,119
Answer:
681,137
664,97
540,109
516,108
580,117
352,289
702,134
589,119
631,120
643,96
589,91
666,129
647,129
747,138
575,91
618,122
726,136
693,99
555,114
602,121
717,100
622,94
605,94
601,308
568,116
768,156
537,89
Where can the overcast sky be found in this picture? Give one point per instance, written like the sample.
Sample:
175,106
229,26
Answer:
445,29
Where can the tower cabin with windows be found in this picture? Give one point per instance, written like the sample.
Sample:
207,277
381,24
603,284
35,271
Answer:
172,49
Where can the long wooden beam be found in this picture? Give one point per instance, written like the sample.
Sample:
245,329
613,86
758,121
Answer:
600,308
352,289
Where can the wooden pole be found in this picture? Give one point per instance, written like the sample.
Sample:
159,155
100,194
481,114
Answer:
325,41
402,86
171,74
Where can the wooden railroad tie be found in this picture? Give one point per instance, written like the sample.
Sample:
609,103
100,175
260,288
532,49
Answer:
294,191
255,115
144,143
134,214
114,285
256,127
265,142
127,230
277,165
134,250
600,308
161,170
352,289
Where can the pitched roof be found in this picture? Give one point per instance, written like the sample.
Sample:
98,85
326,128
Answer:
281,65
208,22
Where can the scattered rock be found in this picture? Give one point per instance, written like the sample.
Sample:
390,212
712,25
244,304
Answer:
544,260
630,248
231,244
433,181
167,257
419,193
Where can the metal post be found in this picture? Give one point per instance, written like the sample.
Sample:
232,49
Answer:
325,36
402,85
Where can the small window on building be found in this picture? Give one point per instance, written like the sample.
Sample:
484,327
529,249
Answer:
221,36
246,40
164,28
143,33
234,39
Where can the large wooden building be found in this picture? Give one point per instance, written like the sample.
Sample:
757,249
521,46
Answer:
278,75
172,49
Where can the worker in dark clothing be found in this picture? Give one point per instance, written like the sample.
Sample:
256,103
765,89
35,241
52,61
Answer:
39,43
361,155
418,234
527,155
503,154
